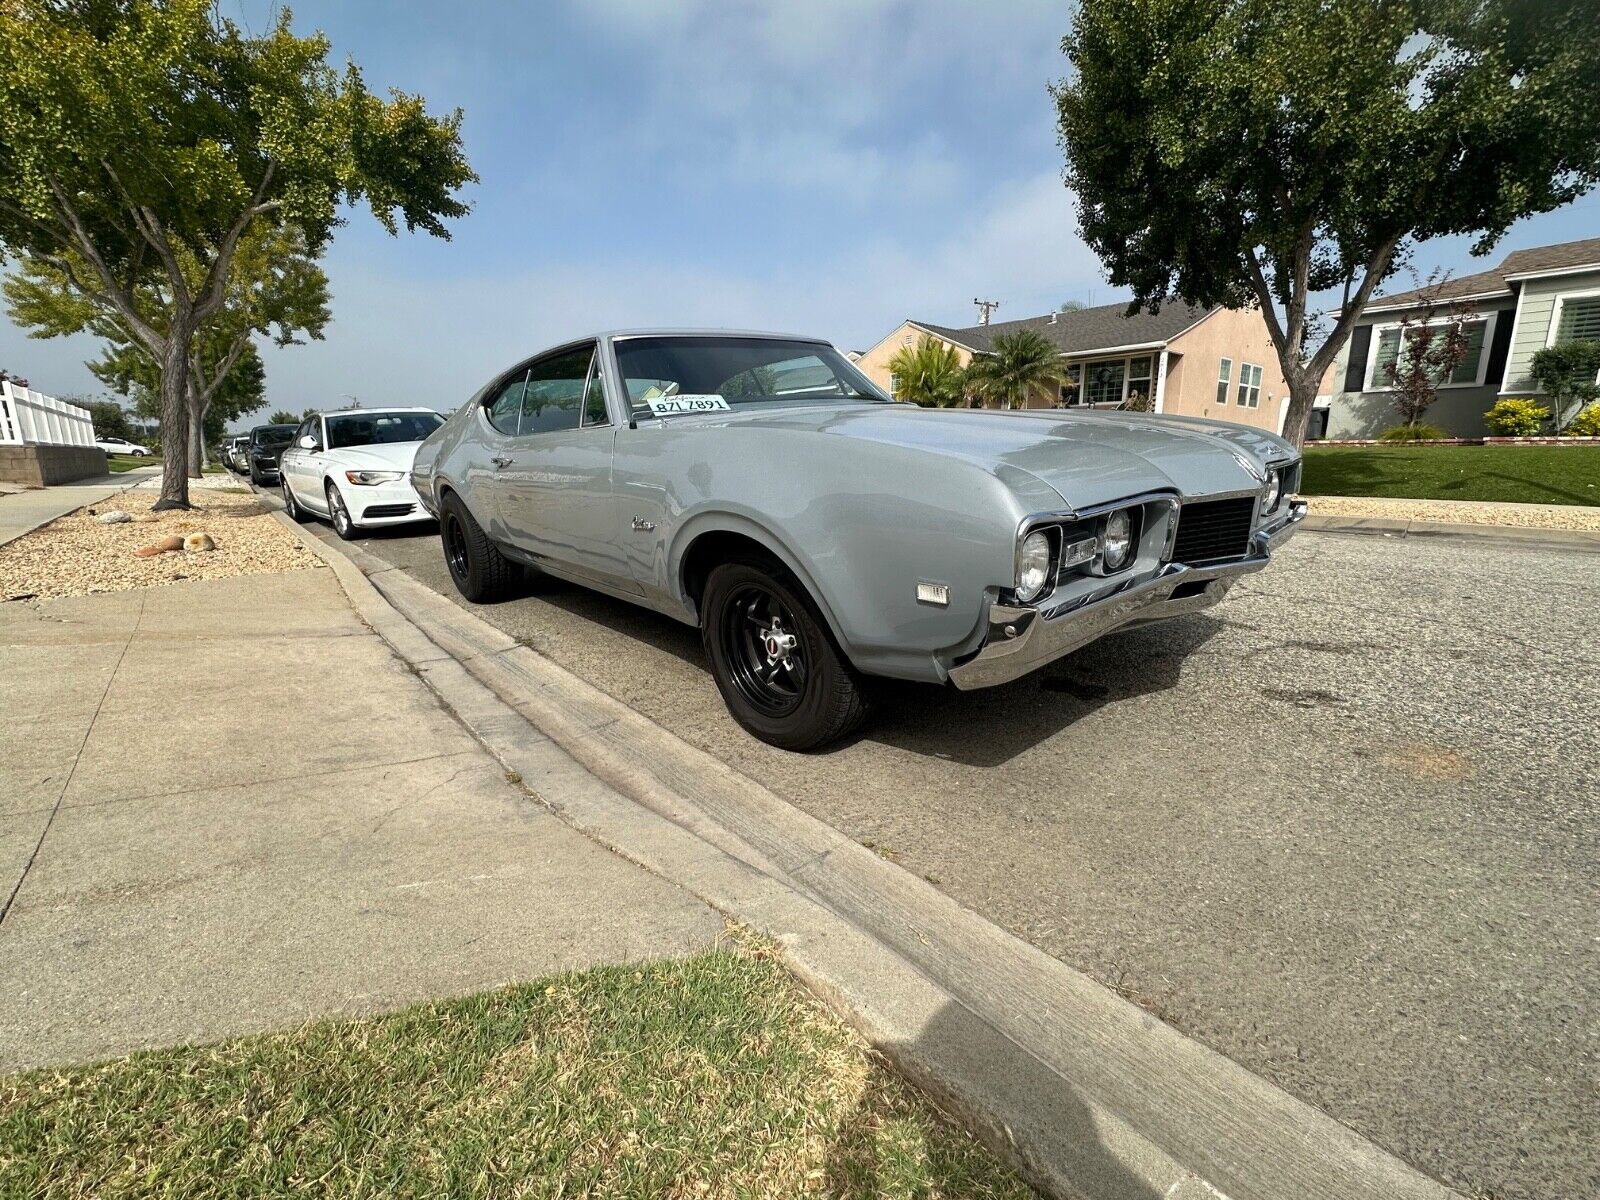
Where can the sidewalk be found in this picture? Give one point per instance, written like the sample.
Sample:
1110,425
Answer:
227,806
23,512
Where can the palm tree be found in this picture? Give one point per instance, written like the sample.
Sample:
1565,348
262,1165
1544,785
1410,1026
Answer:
1022,363
929,373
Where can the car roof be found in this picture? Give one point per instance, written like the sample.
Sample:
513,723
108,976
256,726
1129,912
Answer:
377,412
615,334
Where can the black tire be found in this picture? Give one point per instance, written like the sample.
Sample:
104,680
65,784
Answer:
256,476
339,513
797,693
480,572
291,506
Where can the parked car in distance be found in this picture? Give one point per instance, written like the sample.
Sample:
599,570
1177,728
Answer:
116,445
265,444
233,452
354,467
762,488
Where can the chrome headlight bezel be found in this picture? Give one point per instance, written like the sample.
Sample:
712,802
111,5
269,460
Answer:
1272,495
1127,539
1035,566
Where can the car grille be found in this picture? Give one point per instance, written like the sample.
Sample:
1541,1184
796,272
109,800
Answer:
388,510
1213,530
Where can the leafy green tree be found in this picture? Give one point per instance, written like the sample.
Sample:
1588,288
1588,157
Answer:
929,373
1023,363
284,417
1566,372
1263,151
141,141
274,290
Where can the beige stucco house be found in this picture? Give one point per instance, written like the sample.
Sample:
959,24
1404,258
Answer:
1204,362
1533,299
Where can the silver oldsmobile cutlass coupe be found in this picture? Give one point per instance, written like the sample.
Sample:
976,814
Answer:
761,488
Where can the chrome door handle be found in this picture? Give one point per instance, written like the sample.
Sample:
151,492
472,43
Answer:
502,463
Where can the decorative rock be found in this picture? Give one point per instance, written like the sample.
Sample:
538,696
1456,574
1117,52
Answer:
114,517
197,543
166,545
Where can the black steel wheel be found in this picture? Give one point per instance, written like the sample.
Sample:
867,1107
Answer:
480,572
774,660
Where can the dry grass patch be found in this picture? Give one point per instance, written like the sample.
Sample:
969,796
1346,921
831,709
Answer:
713,1076
77,555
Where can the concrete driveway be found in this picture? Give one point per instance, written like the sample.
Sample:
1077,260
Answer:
1341,828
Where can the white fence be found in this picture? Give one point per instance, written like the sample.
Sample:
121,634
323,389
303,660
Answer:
29,418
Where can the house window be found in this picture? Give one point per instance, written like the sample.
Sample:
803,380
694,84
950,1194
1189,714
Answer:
894,385
1580,320
1139,382
1224,378
1071,384
1386,353
1105,382
1249,385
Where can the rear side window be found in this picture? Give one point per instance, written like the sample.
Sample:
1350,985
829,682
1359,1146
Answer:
553,399
505,408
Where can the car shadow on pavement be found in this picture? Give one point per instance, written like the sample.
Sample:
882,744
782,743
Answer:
990,727
989,1065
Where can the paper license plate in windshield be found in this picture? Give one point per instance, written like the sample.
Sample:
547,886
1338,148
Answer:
671,406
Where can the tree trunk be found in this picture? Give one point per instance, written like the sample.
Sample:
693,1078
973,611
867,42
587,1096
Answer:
197,430
175,418
1302,395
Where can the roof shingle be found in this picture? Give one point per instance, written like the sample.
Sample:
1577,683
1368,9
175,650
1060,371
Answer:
1082,329
1531,261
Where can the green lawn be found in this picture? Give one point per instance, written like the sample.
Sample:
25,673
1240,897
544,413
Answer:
1526,474
119,463
711,1076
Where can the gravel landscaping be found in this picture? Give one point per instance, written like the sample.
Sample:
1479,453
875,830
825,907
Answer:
78,555
1459,512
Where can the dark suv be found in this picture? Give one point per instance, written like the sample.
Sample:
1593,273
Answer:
267,443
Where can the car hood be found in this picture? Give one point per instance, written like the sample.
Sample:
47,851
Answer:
1087,457
386,456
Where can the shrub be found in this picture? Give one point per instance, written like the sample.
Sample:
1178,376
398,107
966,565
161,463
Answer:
1516,418
1585,424
1413,433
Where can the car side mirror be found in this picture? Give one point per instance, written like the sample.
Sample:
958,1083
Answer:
308,442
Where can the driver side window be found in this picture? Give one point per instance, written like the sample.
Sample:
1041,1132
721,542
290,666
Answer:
553,400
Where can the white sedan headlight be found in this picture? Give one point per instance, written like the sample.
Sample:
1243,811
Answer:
1033,566
1274,491
368,478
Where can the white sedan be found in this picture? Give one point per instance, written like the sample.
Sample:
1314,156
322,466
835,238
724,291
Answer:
116,445
354,467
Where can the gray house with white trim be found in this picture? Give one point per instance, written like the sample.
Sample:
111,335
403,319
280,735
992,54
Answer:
1533,299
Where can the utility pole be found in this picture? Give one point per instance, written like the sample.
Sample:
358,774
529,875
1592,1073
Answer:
985,307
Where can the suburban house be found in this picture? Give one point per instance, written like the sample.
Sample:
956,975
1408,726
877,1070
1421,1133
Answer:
1533,299
1202,362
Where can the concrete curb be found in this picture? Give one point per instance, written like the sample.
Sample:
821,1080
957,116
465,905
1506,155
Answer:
1084,1092
1582,540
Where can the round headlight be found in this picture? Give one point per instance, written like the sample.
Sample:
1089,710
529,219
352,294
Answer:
1116,540
1274,491
1033,567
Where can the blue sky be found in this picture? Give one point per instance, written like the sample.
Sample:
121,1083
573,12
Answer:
826,166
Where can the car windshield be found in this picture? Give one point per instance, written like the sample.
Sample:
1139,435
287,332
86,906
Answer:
378,428
742,370
273,435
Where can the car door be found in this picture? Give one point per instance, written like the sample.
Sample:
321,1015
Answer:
301,468
554,495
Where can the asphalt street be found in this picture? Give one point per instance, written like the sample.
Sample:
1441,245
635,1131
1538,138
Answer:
1342,828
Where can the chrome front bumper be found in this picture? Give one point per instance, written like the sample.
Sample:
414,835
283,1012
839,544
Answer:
1020,640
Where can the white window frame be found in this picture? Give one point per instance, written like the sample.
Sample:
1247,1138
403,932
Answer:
1155,379
1224,377
1491,320
1558,309
1255,388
